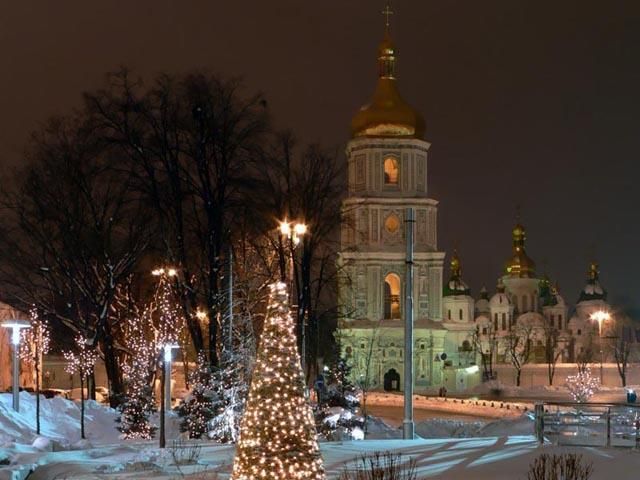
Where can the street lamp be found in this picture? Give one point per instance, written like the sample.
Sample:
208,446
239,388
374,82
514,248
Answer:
600,316
294,231
16,325
165,397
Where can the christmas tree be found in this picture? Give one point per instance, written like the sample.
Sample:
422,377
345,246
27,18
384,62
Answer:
198,409
277,432
336,410
136,408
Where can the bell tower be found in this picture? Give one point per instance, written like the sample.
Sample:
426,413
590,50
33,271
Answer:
387,173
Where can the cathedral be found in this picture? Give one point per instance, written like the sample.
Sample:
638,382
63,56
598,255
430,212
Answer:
455,335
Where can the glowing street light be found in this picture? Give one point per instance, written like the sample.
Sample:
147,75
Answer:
169,271
16,325
294,231
600,316
165,403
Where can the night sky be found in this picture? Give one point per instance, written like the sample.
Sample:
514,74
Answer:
526,102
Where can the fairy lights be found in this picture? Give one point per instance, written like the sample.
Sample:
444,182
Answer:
277,435
582,386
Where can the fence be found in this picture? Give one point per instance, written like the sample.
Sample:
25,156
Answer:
588,424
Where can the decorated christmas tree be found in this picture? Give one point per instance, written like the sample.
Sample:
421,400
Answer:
198,408
137,407
336,411
277,432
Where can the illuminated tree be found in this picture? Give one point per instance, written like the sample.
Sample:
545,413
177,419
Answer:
336,409
277,433
167,317
582,386
33,345
138,376
197,410
81,361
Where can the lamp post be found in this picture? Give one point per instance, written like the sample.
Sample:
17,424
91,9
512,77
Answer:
600,316
165,395
293,232
16,325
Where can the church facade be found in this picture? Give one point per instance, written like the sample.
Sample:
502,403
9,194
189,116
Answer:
454,334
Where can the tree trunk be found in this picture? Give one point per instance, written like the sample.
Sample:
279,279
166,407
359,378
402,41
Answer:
518,371
112,368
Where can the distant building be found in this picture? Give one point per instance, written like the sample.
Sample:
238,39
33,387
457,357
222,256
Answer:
7,312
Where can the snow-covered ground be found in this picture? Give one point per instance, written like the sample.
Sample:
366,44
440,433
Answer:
474,407
500,449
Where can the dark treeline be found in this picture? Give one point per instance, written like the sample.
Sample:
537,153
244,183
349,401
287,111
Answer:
187,172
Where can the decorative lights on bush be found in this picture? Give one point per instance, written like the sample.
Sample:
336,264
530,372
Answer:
278,438
582,386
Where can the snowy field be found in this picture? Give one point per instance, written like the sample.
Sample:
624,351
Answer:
499,449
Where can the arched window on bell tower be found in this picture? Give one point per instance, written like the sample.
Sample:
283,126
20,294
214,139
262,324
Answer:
391,296
391,171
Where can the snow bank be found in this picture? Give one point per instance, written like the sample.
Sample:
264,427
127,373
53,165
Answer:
59,421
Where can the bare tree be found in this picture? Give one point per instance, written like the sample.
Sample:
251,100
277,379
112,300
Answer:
305,185
72,231
518,343
484,343
188,140
585,357
623,342
552,350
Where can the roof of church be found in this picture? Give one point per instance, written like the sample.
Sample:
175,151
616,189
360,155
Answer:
387,115
455,285
520,264
593,290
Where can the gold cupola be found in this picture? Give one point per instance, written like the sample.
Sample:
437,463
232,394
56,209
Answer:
387,115
520,265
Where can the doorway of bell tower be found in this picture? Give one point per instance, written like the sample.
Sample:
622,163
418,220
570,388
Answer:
392,381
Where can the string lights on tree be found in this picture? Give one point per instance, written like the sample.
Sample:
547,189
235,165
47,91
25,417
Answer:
277,434
35,343
81,361
197,410
138,374
582,386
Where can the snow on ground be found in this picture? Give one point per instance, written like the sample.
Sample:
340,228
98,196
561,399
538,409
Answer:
500,449
490,458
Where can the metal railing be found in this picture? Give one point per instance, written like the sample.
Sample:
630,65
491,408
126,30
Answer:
588,424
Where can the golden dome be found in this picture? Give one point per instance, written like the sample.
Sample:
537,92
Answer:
520,265
387,115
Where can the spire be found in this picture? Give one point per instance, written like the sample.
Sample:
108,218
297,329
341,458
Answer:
484,294
387,12
593,290
594,273
456,270
519,265
455,285
387,50
387,115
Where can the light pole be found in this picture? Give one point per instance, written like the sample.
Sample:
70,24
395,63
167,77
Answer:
165,394
600,316
16,325
293,232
